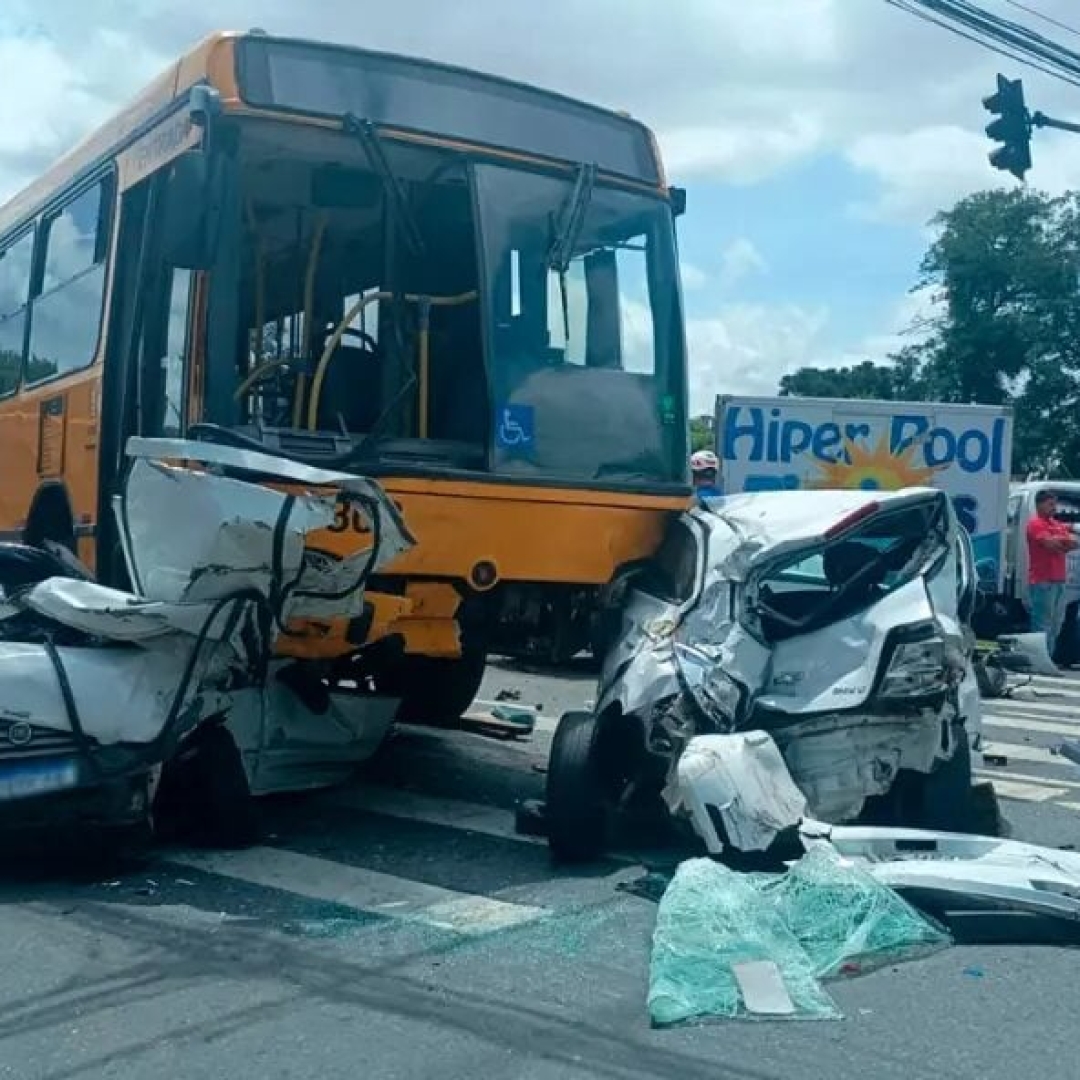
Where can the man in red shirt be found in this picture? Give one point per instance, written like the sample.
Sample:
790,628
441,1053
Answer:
1049,541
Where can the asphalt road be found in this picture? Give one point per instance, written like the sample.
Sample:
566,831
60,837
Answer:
399,928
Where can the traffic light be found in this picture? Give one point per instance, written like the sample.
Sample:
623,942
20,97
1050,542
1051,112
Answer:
1012,128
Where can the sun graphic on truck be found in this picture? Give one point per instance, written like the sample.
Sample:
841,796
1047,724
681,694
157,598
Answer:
875,468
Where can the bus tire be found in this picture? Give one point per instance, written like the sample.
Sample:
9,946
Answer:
576,809
437,691
50,518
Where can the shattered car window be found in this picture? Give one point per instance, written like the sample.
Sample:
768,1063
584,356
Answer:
672,574
811,589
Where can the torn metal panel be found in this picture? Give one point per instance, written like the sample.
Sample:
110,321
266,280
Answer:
218,561
953,869
123,695
744,781
113,615
193,537
395,536
840,760
288,746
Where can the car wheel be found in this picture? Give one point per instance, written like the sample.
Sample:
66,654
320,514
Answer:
576,809
945,795
204,795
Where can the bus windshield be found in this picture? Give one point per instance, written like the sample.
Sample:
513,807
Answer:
444,312
585,344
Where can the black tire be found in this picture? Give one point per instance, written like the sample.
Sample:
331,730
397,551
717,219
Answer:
433,690
204,795
945,800
576,809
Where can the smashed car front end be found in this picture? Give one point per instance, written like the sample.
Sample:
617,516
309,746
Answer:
103,690
834,625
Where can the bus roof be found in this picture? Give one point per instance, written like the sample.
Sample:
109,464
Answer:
219,60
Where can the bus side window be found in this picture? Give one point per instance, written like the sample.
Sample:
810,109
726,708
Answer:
16,262
174,358
65,319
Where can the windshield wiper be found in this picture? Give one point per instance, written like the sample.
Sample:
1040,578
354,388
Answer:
367,135
571,218
568,225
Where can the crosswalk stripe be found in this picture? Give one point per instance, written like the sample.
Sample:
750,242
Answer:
1040,781
1017,705
1012,789
365,891
1061,683
1039,755
493,821
1031,724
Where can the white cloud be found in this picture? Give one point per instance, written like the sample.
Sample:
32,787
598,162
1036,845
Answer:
736,90
746,348
693,277
739,261
920,172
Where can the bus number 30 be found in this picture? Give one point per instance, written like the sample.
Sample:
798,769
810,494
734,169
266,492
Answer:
347,516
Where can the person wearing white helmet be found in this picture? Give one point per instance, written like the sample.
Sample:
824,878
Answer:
704,470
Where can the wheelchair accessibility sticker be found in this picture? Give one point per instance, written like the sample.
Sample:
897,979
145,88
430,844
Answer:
515,429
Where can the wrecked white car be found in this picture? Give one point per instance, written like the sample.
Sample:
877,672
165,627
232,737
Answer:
800,653
116,707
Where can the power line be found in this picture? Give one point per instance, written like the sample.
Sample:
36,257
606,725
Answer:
1019,43
1045,18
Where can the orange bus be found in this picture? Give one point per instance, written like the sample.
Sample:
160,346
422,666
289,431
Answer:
463,286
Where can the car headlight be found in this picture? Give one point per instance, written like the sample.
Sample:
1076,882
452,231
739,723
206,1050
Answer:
721,695
717,694
917,668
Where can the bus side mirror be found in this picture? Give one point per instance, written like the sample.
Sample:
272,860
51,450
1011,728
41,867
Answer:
678,201
188,221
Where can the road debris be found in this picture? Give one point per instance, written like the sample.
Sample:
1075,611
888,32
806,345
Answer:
754,946
950,873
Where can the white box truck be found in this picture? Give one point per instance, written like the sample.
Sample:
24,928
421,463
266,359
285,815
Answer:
792,443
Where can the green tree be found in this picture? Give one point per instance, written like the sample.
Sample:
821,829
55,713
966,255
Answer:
701,433
1005,266
866,381
1004,269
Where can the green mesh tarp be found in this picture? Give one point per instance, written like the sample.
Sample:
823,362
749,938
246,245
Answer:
847,921
730,945
711,922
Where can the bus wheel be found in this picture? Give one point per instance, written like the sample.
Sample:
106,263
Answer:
434,690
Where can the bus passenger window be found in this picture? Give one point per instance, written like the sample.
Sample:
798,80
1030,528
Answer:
15,264
66,316
174,357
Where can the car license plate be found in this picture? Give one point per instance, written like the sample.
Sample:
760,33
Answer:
26,781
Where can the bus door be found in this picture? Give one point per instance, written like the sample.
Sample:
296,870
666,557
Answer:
147,370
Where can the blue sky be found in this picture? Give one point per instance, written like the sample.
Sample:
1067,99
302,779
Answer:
816,138
815,248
